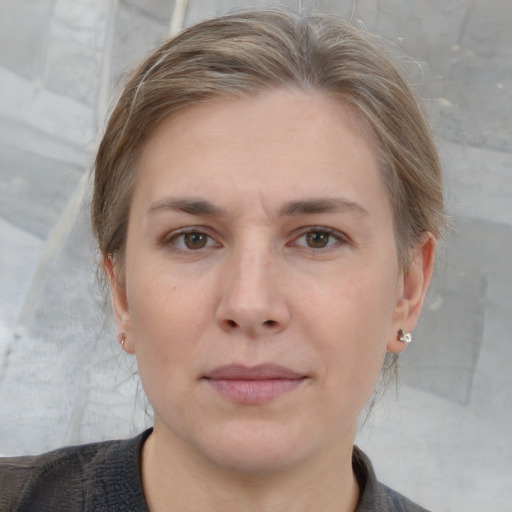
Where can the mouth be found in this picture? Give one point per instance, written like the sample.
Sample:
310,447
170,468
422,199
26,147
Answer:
253,385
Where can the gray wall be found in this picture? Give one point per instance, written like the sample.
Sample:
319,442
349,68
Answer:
444,437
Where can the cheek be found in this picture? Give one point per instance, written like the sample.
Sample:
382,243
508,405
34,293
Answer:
350,322
165,346
166,319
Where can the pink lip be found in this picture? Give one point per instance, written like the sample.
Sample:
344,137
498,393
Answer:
253,385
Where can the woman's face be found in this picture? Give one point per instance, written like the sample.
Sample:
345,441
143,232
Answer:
261,281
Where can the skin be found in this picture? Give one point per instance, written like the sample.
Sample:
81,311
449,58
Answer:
294,262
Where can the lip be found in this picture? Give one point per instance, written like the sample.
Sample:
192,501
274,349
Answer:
253,385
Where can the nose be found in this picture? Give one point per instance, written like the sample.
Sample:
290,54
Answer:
252,296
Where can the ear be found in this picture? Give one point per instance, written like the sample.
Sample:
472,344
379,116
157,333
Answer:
119,303
411,291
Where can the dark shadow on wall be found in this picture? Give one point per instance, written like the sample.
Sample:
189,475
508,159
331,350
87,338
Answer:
475,259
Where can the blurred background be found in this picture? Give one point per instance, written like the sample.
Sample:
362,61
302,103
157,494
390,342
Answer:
443,435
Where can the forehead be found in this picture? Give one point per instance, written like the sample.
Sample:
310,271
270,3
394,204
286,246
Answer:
277,142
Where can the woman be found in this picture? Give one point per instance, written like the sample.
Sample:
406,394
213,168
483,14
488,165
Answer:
267,199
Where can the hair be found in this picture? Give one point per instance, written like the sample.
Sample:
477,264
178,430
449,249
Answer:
243,54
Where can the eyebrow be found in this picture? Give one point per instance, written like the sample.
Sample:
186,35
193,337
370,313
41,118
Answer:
321,205
194,206
187,205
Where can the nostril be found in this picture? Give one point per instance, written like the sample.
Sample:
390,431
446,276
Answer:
231,323
269,323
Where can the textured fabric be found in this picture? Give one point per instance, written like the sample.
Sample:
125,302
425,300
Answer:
376,497
98,477
106,476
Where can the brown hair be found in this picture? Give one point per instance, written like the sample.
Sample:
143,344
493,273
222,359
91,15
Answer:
240,55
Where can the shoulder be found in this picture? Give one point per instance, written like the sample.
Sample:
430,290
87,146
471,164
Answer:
22,479
74,478
375,496
400,502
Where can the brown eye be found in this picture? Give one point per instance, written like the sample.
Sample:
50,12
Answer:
189,240
318,239
195,240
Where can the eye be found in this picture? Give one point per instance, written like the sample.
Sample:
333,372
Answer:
317,238
192,240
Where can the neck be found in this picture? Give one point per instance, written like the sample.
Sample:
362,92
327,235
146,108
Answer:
176,479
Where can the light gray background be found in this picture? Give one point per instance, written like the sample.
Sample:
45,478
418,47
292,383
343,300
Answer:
444,438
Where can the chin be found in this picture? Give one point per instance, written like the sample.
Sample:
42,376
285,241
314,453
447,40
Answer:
255,449
248,460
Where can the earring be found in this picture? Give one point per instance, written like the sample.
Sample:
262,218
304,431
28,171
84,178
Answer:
123,339
405,337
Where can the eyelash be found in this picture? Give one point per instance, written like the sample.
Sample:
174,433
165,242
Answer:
339,238
172,238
